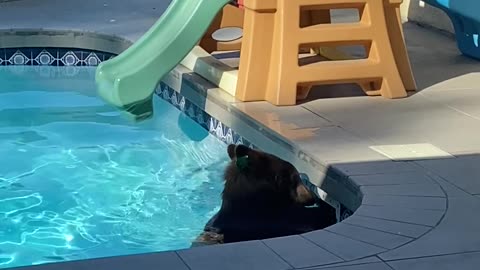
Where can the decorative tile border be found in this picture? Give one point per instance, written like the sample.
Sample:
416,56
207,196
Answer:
214,126
52,57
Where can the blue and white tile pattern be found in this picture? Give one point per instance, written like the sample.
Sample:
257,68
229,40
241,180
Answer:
51,57
215,127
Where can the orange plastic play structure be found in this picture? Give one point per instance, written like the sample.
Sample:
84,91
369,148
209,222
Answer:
275,32
229,17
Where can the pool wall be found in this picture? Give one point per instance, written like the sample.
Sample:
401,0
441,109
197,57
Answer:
227,118
206,104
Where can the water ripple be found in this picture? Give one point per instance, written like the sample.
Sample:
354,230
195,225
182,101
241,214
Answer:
79,184
13,205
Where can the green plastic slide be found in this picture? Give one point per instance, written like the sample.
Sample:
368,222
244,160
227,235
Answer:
131,77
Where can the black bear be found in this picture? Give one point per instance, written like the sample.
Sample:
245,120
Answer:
263,197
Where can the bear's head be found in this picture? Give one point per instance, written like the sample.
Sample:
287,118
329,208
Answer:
261,180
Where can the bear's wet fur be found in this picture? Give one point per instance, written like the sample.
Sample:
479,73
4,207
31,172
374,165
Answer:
263,197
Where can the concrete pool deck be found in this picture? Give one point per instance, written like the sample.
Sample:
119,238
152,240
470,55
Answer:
415,159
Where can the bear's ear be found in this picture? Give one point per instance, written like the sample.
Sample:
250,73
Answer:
231,151
241,151
237,151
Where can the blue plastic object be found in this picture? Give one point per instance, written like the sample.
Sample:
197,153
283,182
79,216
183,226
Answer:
465,17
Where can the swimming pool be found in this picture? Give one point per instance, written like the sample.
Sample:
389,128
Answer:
78,180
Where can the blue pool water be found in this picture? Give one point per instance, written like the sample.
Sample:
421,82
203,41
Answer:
79,180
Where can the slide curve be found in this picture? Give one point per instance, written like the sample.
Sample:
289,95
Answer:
131,77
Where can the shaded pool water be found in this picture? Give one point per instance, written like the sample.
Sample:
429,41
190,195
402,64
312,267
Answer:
79,180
